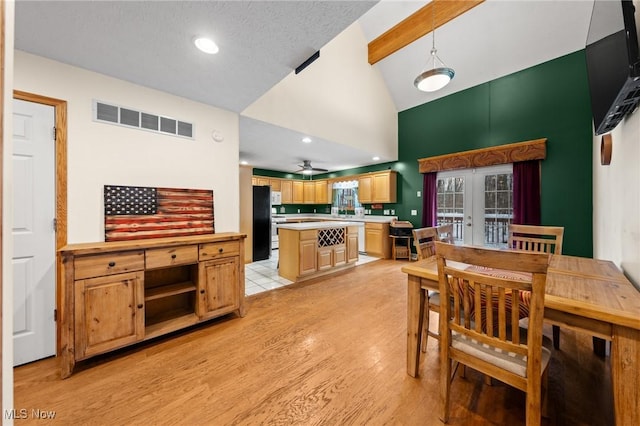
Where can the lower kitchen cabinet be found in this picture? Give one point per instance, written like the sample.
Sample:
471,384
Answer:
118,293
376,239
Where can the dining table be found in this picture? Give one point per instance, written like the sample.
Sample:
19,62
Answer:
583,294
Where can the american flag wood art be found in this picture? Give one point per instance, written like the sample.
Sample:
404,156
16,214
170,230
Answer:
134,212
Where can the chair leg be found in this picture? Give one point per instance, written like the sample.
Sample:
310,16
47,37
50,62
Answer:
425,323
556,337
545,393
445,389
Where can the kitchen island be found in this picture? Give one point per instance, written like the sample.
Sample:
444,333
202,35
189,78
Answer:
313,249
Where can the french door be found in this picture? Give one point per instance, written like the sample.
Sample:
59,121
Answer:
479,203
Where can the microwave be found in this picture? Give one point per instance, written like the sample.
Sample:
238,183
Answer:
276,198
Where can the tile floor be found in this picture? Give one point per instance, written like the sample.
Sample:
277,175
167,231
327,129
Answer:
263,275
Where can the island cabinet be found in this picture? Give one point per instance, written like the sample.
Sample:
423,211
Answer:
118,293
311,249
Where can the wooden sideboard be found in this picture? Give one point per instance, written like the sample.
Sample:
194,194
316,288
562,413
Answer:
119,293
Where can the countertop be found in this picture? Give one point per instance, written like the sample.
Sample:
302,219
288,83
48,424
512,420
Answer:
351,218
303,226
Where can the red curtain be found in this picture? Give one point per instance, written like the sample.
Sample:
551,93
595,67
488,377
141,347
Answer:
429,199
526,192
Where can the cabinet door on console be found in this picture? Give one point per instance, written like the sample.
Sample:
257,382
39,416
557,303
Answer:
218,287
109,313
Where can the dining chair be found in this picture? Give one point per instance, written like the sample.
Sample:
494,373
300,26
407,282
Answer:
547,239
423,240
483,281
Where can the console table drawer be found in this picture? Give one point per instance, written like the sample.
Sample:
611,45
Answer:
108,264
218,250
171,256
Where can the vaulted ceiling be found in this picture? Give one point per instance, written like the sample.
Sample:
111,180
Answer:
261,42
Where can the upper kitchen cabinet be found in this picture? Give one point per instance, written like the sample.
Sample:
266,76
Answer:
322,192
286,189
260,181
298,192
276,184
309,189
378,187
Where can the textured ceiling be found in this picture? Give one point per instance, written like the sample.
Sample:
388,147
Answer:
150,43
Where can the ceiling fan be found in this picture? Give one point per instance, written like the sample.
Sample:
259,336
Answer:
307,169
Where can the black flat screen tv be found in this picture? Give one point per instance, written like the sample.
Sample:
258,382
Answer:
613,62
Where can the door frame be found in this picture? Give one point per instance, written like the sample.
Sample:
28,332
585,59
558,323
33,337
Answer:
60,107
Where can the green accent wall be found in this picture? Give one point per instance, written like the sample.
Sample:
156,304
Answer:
549,100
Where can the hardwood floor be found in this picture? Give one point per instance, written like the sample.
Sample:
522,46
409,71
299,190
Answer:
325,352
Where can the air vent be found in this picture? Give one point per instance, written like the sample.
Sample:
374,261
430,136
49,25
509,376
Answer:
114,114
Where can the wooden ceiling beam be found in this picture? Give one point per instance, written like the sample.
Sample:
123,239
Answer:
418,24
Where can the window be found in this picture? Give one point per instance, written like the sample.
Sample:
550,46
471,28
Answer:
479,203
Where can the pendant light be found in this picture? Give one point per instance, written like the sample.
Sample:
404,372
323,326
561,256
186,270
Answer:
438,76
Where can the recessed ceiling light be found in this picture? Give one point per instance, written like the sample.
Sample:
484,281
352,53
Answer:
376,158
206,45
306,140
244,163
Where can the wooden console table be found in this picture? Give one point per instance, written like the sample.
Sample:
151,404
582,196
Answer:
119,293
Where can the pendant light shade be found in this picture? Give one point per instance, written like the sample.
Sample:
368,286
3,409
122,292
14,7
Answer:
434,78
439,75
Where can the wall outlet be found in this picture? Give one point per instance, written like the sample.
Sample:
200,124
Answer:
314,210
298,210
393,212
386,212
419,194
414,212
282,210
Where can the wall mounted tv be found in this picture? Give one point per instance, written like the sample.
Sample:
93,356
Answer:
613,62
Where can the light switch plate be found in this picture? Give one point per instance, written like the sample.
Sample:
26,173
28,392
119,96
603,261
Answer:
419,194
414,212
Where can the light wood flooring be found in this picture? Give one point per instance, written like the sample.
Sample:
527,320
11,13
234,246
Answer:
325,352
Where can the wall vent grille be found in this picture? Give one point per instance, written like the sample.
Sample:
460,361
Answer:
114,114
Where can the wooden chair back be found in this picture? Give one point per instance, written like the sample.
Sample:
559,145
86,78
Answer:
479,275
445,233
546,239
423,240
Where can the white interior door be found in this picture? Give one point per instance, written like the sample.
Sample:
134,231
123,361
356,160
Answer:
34,331
479,203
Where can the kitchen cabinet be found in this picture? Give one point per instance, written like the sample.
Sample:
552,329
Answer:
376,239
321,192
276,184
378,187
298,192
286,190
309,250
309,188
263,181
119,293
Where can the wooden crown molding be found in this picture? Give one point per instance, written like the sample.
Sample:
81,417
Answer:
502,154
420,23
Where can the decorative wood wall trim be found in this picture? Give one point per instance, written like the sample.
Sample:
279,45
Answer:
503,154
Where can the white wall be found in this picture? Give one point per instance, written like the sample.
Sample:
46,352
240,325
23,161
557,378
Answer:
101,154
7,219
616,199
339,97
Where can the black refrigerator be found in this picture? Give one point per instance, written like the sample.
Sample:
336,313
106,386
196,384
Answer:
261,222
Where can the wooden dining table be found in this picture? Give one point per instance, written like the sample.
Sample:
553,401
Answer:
588,295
